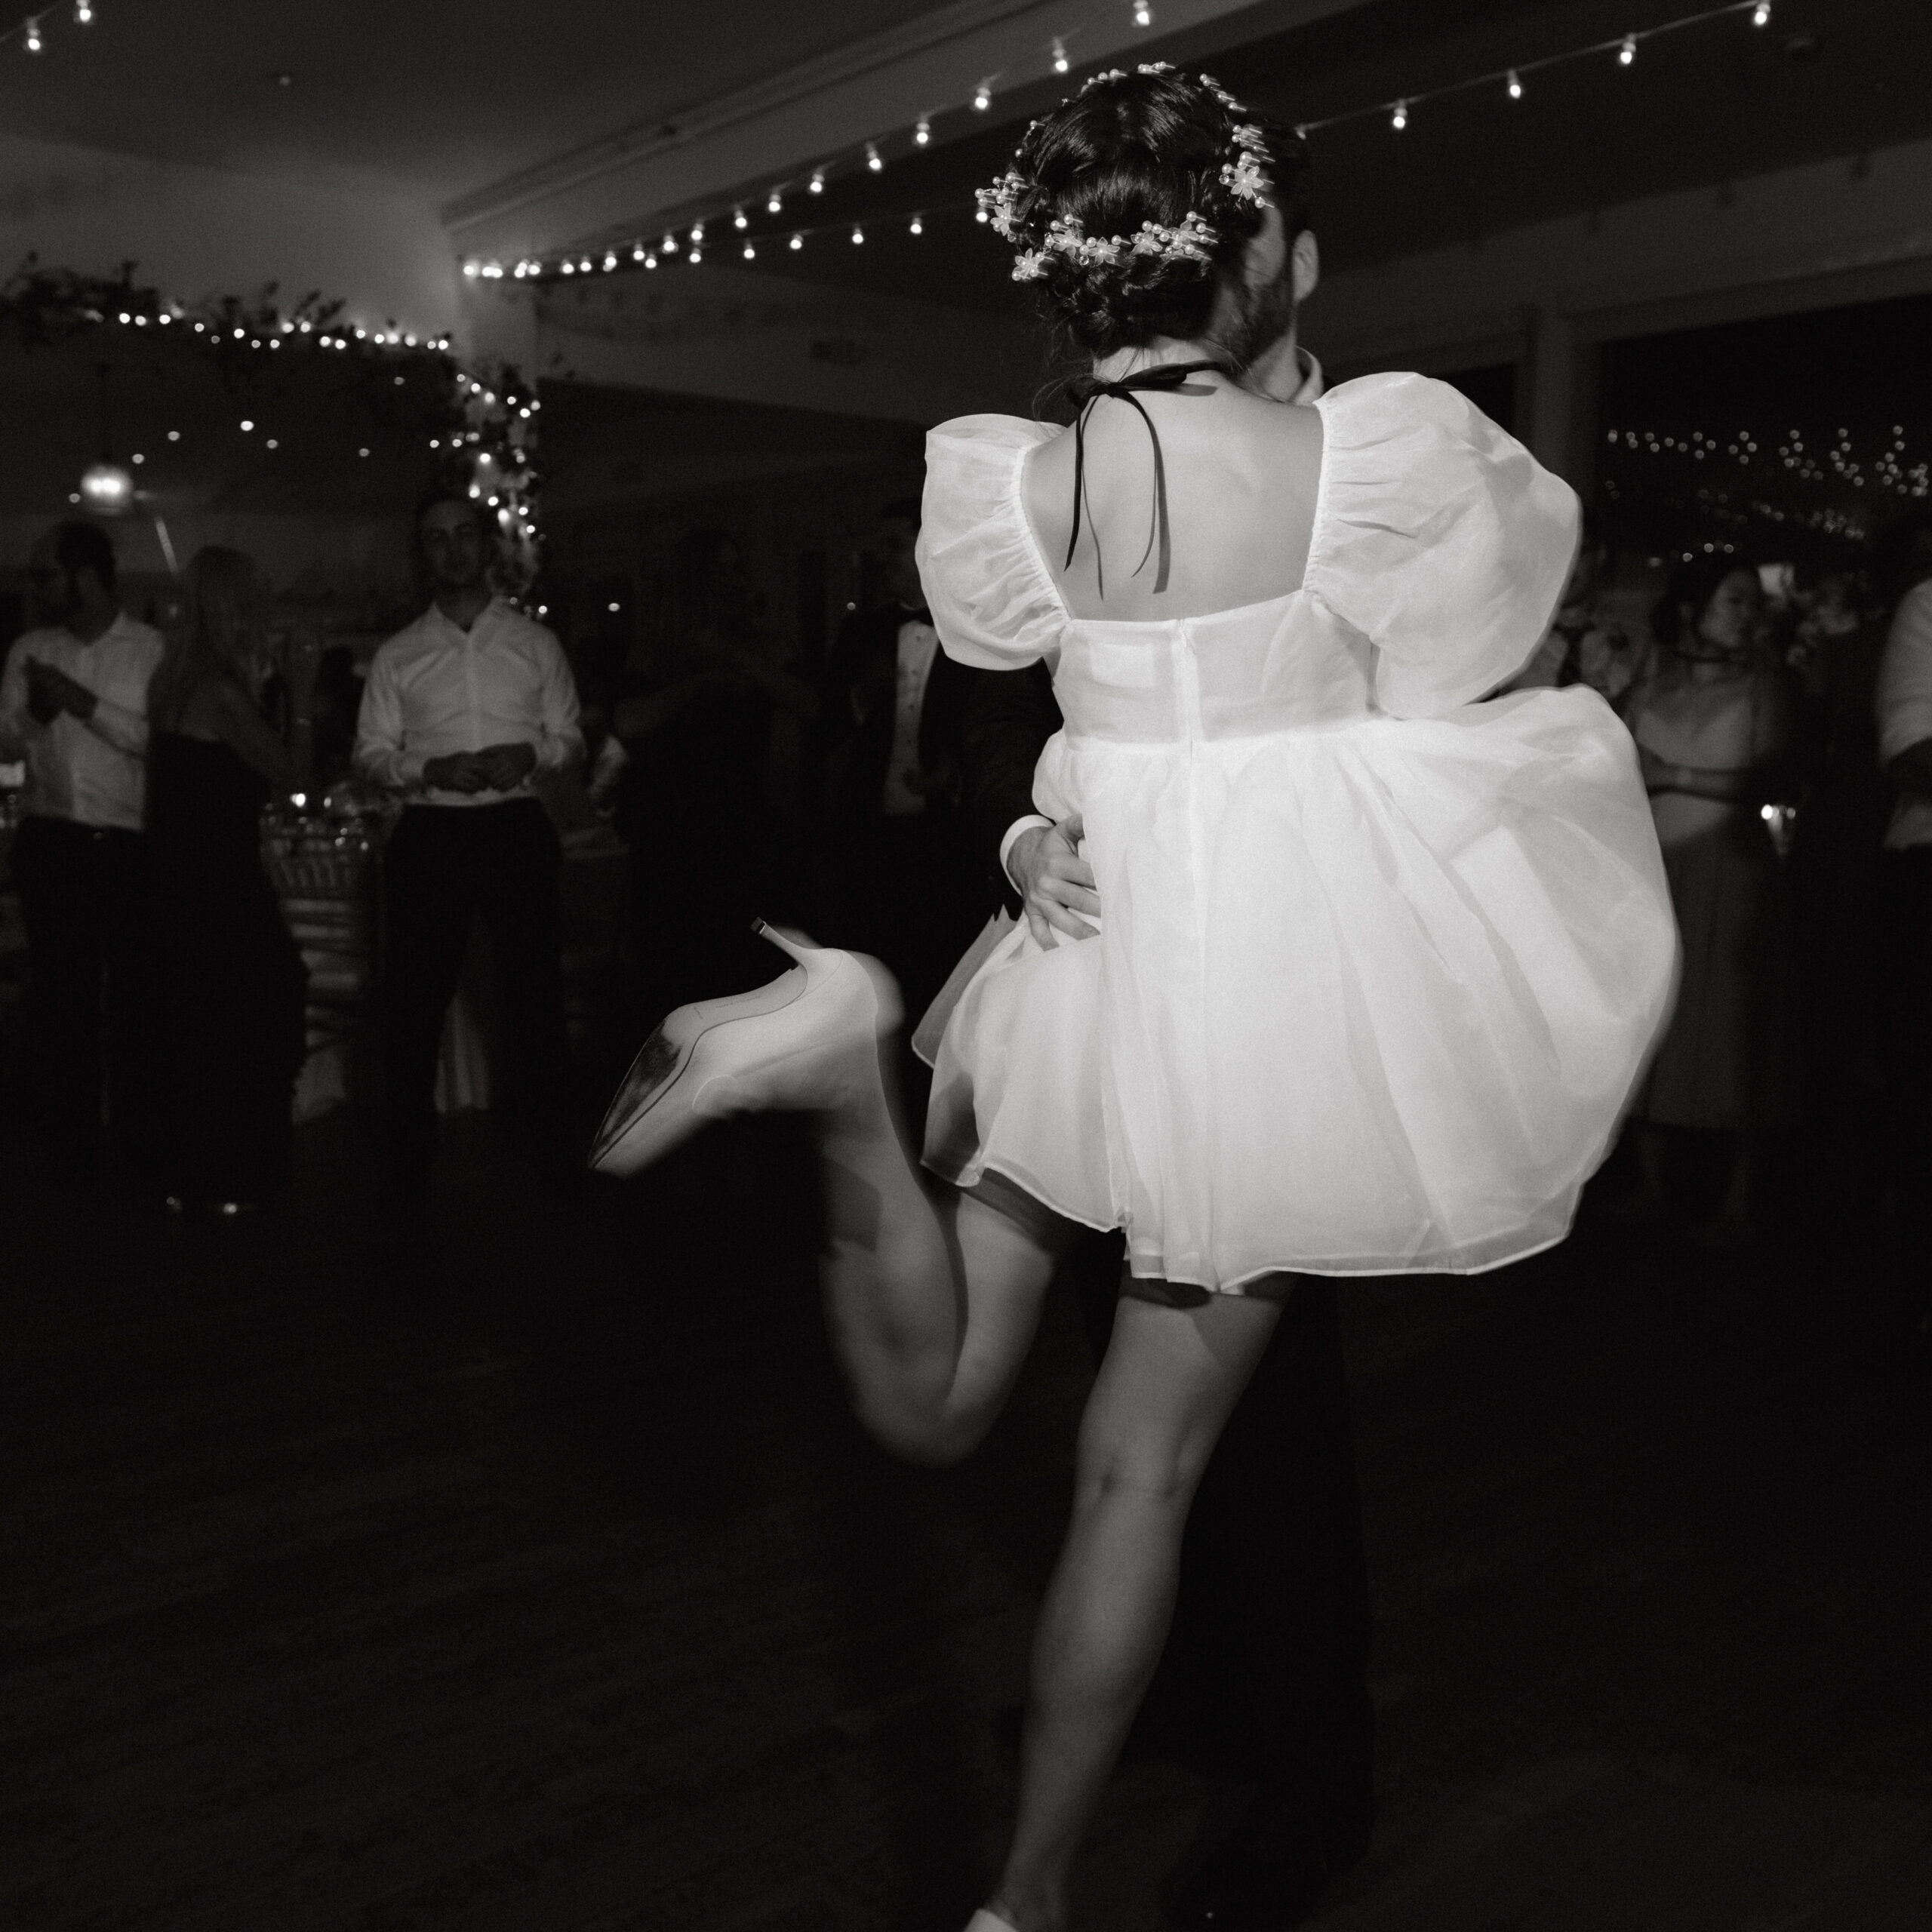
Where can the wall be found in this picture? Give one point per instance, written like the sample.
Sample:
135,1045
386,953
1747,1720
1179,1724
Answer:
1851,230
198,232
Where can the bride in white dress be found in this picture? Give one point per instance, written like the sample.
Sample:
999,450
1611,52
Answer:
1377,963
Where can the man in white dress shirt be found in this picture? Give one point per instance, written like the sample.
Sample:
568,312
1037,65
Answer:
74,707
462,711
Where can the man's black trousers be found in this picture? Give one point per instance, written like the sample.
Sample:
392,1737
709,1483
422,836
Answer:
80,896
1265,1677
446,866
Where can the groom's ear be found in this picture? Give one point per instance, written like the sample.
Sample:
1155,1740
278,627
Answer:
1307,259
1267,253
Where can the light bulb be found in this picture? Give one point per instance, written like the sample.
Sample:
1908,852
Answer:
983,96
470,268
32,31
1143,14
872,160
751,253
774,202
583,266
798,240
916,226
650,261
1761,14
858,236
923,133
638,253
818,181
670,243
696,256
1627,52
1400,118
609,263
1061,62
83,12
697,234
1516,86
738,219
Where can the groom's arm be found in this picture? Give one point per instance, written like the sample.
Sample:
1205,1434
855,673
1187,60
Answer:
1009,716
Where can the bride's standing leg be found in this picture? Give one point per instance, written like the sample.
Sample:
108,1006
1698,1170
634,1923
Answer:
1170,1379
931,1308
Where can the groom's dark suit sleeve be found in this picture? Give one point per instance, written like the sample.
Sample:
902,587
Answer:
1009,716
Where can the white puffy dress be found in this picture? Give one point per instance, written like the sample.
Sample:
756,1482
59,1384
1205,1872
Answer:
1379,964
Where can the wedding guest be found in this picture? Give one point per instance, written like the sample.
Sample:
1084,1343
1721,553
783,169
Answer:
1715,732
226,980
1584,644
462,711
73,706
1904,707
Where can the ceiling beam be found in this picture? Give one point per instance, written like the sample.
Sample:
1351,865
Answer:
645,176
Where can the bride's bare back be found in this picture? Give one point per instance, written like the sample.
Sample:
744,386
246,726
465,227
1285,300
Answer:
1242,475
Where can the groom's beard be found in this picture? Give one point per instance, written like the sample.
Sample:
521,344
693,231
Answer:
1266,314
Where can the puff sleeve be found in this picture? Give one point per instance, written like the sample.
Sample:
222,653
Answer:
993,603
1440,538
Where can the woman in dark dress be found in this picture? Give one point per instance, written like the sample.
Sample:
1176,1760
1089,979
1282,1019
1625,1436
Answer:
228,981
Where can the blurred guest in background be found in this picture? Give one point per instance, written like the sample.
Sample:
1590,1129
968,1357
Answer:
710,848
461,711
73,706
1585,644
337,703
225,978
901,885
1834,655
1904,705
1715,731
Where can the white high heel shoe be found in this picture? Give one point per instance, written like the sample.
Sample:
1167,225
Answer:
809,1040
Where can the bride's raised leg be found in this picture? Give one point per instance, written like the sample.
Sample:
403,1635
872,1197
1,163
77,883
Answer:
1170,1380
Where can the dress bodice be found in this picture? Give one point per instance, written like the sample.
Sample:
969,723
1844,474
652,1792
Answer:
1287,665
1439,549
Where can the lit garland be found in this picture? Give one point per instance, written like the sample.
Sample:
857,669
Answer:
483,417
870,155
28,32
1888,472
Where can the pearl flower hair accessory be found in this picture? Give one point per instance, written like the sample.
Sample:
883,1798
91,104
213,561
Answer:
1245,177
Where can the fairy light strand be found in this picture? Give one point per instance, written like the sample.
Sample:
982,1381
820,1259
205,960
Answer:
871,156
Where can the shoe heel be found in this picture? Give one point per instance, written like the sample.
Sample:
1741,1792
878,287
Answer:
817,960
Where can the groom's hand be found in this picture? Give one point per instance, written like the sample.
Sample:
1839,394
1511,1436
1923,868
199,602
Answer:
1056,884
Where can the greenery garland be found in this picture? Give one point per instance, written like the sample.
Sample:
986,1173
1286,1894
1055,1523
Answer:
481,418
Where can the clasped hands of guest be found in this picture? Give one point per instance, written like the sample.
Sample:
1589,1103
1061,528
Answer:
495,768
50,691
1056,883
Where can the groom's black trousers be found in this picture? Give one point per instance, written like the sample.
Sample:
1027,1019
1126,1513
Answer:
1266,1674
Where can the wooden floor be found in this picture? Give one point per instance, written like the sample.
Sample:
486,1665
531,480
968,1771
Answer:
525,1572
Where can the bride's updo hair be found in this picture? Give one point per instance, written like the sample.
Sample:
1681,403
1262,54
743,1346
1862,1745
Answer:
1129,202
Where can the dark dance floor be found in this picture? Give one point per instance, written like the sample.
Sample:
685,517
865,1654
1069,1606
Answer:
524,1572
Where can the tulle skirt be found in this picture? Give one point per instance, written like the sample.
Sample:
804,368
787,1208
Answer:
1367,1000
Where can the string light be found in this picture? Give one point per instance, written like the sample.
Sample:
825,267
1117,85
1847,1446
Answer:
983,96
774,202
1761,14
739,219
751,253
798,240
916,226
1627,52
83,13
1516,86
858,236
697,235
923,133
817,183
639,253
1061,62
1143,14
31,28
670,243
872,157
1400,118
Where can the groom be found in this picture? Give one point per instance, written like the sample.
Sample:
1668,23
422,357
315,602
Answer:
1265,1677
